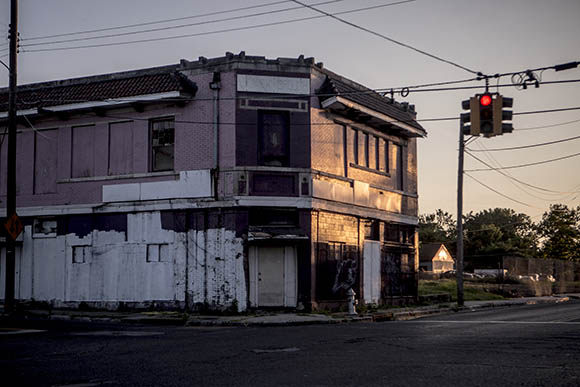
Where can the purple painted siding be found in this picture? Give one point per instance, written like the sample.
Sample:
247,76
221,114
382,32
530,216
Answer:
45,161
194,138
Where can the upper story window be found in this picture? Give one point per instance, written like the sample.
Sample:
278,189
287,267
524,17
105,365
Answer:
370,151
274,138
162,144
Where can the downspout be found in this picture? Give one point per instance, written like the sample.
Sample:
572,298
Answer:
215,85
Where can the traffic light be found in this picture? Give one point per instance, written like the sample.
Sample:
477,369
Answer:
500,115
486,115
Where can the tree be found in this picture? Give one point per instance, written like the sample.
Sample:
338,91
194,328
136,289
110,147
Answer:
437,227
499,231
559,230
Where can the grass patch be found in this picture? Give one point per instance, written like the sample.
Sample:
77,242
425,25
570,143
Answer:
471,292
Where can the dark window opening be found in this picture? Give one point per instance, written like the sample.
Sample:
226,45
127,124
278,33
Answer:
399,233
274,132
372,230
273,217
162,144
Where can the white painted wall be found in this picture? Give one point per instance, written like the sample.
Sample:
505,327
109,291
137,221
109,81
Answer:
191,184
216,268
361,194
145,264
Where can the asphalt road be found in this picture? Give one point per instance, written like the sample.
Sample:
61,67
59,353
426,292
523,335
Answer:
525,345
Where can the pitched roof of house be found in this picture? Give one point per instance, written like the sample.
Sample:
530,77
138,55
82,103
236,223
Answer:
428,250
95,88
337,85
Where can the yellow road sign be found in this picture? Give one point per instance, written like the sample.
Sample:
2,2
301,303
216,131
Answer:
13,226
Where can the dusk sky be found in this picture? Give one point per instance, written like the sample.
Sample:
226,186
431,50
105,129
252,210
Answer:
489,36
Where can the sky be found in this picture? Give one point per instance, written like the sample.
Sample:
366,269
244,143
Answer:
493,37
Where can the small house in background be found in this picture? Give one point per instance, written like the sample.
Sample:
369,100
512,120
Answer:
435,257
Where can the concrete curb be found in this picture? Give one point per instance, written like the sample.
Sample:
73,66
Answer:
272,320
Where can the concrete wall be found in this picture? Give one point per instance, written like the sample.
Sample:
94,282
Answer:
146,264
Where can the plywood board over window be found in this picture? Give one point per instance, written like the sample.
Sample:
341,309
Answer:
83,153
45,161
274,138
121,148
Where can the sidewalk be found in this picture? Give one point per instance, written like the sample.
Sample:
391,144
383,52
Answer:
275,319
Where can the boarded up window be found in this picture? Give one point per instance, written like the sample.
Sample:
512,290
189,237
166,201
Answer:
355,145
121,148
274,140
377,153
83,155
398,166
162,144
362,153
159,253
45,161
383,155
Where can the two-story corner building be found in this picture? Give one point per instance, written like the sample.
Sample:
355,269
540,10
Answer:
233,182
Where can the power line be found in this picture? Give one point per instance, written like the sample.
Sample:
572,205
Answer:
207,32
526,146
386,37
498,170
548,126
156,21
497,192
525,165
513,180
183,25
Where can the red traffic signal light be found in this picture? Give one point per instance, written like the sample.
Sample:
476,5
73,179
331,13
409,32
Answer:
485,100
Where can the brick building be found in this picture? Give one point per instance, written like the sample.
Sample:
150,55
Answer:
231,182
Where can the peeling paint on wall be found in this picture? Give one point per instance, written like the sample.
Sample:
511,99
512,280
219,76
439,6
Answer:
141,261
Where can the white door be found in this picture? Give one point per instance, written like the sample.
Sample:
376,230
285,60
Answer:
273,276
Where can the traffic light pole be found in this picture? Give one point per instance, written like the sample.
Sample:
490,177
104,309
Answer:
459,254
11,164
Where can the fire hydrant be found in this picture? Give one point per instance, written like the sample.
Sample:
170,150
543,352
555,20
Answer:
351,301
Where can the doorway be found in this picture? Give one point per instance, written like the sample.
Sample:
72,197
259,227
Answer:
273,280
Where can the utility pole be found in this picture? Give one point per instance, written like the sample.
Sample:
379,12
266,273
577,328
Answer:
459,263
11,165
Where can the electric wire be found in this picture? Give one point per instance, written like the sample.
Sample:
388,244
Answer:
523,187
562,195
515,179
333,16
156,21
183,25
497,192
526,146
206,32
548,126
526,165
